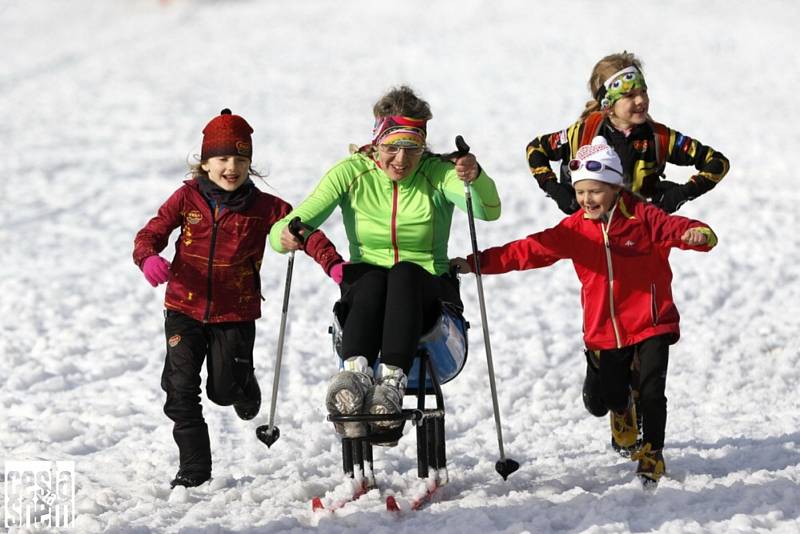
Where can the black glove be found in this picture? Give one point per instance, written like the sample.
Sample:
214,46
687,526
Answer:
563,194
671,196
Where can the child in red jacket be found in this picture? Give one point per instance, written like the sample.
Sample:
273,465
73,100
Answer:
619,111
213,292
619,246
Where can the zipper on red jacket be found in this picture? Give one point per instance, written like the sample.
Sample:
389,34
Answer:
396,248
607,244
653,304
211,248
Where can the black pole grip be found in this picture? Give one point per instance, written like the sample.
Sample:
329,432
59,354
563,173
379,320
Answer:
461,146
462,149
296,226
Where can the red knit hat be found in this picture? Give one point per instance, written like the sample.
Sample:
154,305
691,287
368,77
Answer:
227,135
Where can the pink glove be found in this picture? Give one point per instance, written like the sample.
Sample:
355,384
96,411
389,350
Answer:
336,273
155,269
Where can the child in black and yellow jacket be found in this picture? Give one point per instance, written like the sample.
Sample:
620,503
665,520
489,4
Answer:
619,112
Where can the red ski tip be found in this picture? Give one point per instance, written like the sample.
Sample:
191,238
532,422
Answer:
316,504
391,504
425,499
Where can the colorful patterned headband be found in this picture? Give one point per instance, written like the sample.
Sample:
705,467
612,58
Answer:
620,84
399,130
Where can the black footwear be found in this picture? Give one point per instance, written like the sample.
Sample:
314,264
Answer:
189,480
592,397
248,409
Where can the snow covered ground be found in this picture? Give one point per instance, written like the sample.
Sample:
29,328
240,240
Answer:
103,102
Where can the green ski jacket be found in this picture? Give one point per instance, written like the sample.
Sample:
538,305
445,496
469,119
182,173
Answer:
388,222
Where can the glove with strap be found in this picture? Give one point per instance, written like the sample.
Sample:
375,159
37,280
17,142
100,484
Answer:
671,196
563,194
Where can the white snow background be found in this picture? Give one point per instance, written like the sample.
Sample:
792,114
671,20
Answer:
101,105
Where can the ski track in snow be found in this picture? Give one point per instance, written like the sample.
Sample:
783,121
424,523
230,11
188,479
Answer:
103,103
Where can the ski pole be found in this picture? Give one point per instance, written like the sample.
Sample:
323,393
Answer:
270,433
504,466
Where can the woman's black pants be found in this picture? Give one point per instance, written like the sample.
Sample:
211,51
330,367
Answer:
388,310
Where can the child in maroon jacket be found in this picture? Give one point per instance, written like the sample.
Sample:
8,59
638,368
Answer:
213,292
619,246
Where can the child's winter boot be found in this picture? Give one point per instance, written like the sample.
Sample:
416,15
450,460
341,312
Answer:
248,408
189,480
346,394
592,393
651,465
624,427
387,396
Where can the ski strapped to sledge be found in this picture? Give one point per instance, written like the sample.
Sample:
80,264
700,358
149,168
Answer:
358,491
415,503
394,502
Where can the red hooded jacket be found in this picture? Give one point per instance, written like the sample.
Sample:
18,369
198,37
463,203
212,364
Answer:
214,276
624,270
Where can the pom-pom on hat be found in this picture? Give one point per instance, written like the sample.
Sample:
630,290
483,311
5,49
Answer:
597,161
227,135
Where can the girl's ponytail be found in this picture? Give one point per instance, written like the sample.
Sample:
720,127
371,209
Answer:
591,106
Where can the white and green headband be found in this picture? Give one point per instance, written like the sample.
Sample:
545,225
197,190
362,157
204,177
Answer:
618,85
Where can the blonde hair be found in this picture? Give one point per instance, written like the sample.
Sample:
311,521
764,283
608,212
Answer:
601,72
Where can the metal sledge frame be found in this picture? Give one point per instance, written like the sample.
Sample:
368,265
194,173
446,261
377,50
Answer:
431,453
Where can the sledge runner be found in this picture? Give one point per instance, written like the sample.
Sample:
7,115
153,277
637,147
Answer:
213,294
618,111
620,247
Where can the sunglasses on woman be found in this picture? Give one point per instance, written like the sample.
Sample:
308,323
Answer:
395,149
591,166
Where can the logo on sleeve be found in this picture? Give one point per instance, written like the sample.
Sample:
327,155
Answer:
683,142
554,141
174,340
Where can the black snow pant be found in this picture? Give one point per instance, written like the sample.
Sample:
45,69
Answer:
387,311
229,347
615,379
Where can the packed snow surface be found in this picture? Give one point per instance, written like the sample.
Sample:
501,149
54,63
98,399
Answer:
102,104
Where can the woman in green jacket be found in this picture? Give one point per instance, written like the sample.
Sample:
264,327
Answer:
397,201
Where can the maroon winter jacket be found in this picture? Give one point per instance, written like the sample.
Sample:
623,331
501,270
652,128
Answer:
214,276
624,270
